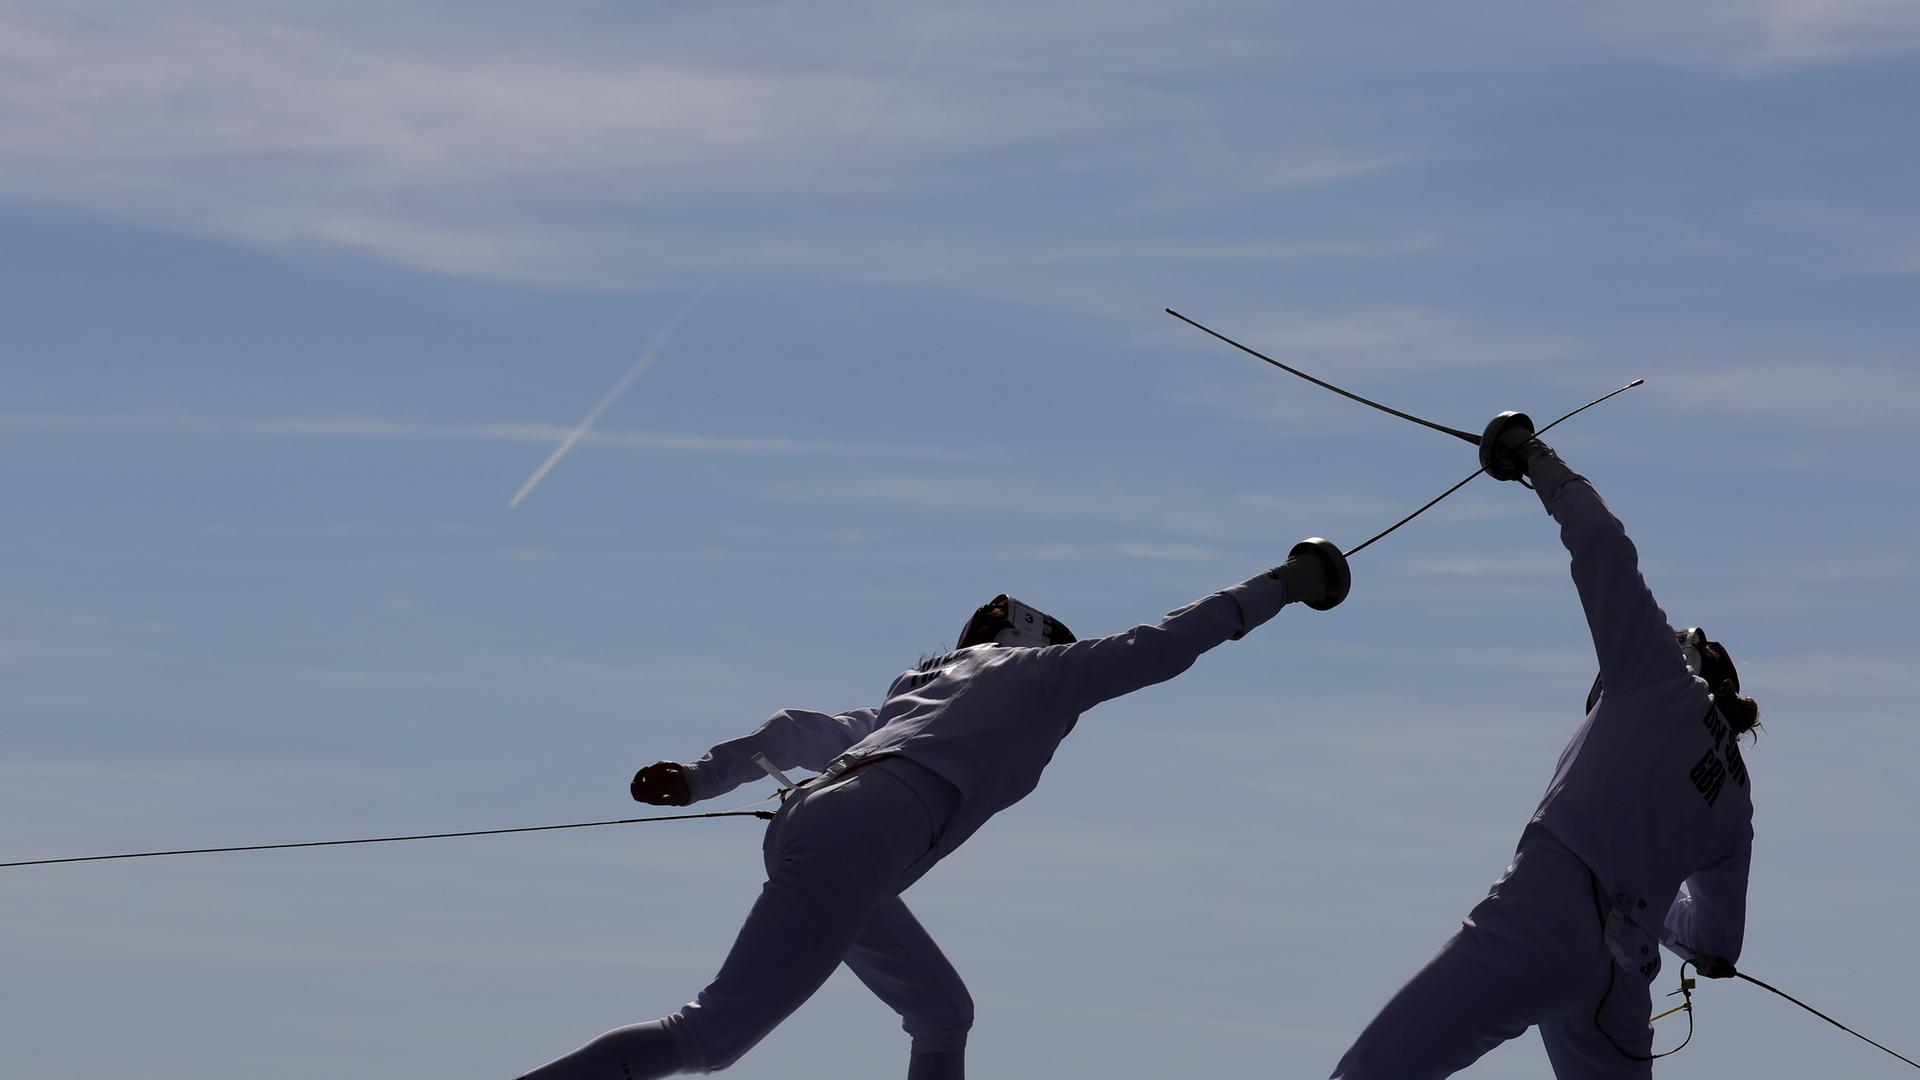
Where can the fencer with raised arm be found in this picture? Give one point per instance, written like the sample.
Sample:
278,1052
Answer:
1643,837
956,740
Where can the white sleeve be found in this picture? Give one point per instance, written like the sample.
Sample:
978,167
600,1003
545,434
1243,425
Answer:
791,739
1710,914
1086,673
1631,635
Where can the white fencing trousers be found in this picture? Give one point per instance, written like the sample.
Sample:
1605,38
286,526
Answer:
1530,954
837,857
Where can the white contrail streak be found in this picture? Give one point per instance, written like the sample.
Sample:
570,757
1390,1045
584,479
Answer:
859,135
646,359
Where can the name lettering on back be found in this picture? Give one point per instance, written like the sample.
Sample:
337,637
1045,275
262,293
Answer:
1722,759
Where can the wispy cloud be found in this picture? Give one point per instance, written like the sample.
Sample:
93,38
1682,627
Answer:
373,429
1168,517
1168,513
1827,676
1868,237
307,130
1754,36
675,145
875,112
1149,248
1815,392
394,109
1391,337
678,146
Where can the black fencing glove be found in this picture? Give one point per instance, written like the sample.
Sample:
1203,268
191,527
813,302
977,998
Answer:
1315,574
1501,445
1509,450
1713,967
663,783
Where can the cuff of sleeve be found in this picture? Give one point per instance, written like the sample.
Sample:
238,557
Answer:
1260,598
1547,472
696,784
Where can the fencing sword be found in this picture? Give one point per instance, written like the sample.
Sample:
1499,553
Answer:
1455,432
1431,503
1324,384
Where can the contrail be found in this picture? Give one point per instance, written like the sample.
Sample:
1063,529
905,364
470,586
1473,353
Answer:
859,135
646,359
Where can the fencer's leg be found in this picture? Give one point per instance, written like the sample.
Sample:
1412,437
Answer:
840,850
1521,957
1579,1050
1443,1019
897,960
637,1052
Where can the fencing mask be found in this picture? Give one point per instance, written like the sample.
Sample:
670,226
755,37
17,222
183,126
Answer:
1700,655
1005,620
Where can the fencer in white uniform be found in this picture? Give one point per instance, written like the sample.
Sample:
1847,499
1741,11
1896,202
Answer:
956,740
1644,835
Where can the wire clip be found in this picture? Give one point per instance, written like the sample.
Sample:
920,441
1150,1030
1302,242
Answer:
770,769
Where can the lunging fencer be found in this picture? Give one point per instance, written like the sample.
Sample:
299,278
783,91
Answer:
1643,838
956,740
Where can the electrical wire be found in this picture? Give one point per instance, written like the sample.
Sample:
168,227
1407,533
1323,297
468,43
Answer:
1823,1016
762,814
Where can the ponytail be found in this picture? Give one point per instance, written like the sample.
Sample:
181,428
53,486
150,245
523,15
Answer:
1742,712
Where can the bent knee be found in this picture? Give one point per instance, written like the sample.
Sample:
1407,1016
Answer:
953,1041
955,1018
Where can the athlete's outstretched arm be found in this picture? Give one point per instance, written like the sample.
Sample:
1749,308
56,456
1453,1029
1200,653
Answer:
1631,635
791,739
1086,673
1710,917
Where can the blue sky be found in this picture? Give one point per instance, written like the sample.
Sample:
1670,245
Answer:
296,300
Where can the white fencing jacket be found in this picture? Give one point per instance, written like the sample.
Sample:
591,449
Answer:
988,718
1652,792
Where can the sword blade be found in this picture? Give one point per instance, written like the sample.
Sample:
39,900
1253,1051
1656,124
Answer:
1324,384
1382,534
